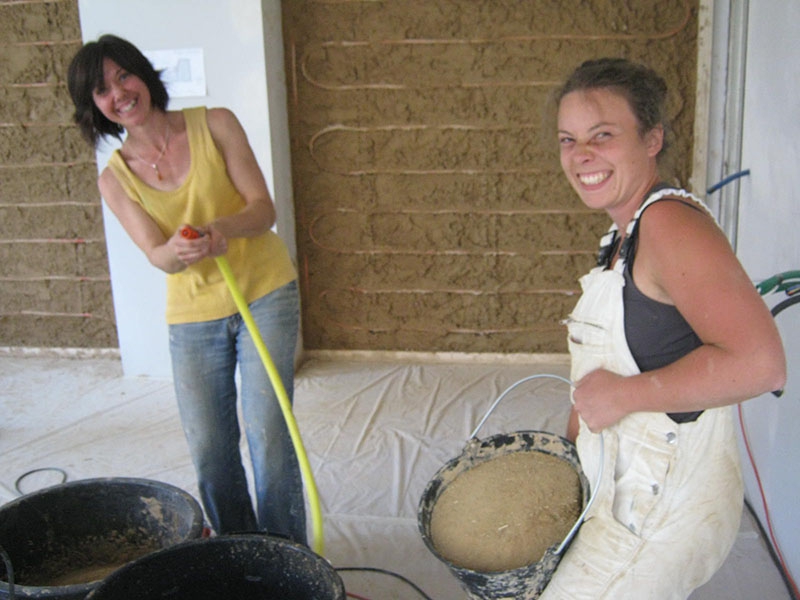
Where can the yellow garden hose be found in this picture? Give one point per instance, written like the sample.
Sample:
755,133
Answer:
280,391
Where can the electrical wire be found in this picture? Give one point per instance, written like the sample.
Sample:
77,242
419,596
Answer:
786,580
727,180
384,572
22,477
790,289
601,453
781,562
784,304
508,389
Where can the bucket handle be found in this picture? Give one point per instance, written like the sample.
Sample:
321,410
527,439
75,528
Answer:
596,487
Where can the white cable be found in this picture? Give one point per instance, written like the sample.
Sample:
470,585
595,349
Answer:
596,487
511,387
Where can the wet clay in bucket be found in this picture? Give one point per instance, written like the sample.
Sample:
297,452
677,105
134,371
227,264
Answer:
506,512
244,567
63,539
523,582
501,514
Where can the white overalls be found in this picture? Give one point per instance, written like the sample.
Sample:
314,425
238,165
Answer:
670,500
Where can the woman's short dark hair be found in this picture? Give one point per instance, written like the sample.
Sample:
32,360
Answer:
85,75
643,88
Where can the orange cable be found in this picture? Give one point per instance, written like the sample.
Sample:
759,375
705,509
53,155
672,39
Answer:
773,539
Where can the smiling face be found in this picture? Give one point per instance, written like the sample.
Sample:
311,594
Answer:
607,160
122,97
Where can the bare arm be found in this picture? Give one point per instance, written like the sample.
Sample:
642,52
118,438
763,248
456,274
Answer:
685,260
175,253
258,215
168,254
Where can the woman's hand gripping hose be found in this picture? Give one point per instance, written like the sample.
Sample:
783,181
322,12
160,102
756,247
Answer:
280,391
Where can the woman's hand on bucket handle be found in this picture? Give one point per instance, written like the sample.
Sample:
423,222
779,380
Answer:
598,399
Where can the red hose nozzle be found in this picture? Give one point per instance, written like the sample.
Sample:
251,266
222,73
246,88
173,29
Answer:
190,233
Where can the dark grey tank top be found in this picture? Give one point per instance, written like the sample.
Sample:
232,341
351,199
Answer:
656,332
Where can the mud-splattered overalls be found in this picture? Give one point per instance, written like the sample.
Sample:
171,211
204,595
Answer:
670,500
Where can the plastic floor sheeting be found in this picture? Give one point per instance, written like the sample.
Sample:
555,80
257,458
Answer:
375,431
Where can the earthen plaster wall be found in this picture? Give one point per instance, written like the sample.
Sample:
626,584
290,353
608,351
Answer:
431,211
431,214
55,289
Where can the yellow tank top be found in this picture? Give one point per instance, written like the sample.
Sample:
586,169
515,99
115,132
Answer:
260,264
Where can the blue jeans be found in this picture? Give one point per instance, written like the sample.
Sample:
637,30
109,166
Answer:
204,361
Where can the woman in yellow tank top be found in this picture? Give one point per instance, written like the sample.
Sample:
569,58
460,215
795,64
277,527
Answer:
196,167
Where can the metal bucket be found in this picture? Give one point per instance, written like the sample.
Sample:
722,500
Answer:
523,583
245,567
89,526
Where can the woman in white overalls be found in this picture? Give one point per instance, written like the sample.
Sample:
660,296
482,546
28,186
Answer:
661,347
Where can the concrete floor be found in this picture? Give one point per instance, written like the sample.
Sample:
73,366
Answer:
375,432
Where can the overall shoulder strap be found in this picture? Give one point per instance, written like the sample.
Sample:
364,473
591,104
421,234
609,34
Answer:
660,194
607,244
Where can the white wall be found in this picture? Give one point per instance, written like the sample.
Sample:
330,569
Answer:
244,72
768,242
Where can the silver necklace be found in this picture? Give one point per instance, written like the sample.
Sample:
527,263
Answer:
154,165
